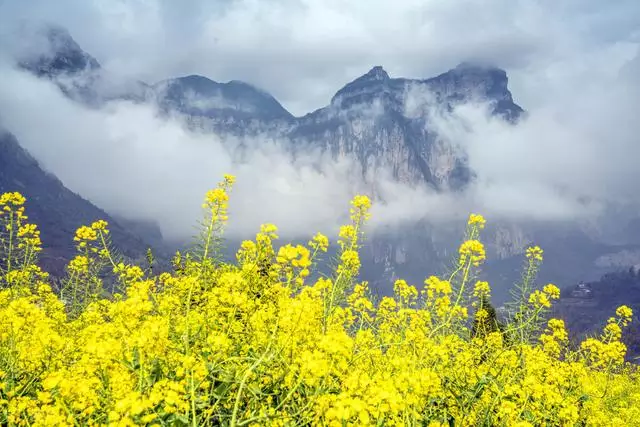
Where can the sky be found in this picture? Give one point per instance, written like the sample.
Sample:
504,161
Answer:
573,65
303,51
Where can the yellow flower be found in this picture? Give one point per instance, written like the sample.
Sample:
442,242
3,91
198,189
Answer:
481,289
472,250
216,201
319,242
85,233
100,225
349,262
534,253
624,312
539,299
229,341
552,290
482,314
79,264
475,219
435,286
558,330
613,331
14,199
360,208
269,229
347,233
404,291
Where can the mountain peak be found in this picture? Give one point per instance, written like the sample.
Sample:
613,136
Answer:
477,80
200,96
367,84
58,38
476,65
480,70
376,73
52,51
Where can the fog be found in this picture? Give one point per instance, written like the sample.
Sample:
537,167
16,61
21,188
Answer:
574,71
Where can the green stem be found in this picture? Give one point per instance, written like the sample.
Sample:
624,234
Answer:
10,250
245,377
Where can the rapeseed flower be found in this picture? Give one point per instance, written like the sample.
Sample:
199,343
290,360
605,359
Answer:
472,251
534,253
252,343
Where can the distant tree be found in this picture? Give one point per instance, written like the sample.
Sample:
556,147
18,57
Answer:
487,322
150,260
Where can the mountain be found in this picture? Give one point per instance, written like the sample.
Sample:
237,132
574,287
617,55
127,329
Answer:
232,108
199,96
571,255
55,53
465,82
367,118
386,124
585,307
56,210
469,81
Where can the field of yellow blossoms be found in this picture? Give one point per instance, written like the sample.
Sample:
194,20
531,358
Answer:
259,342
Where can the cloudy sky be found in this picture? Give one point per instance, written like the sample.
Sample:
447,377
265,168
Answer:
302,51
573,65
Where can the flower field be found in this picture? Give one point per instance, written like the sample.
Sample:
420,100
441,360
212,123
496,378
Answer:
259,342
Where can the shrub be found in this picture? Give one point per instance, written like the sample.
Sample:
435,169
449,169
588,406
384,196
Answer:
257,342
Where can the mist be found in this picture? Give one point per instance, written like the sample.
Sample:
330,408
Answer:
128,160
134,162
301,51
571,156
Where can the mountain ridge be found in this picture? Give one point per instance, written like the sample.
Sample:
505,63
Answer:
56,210
374,118
63,56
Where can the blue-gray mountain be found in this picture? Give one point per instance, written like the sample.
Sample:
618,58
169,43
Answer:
367,118
56,210
54,53
587,306
383,122
371,117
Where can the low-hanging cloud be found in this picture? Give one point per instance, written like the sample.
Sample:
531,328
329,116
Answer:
134,162
564,160
302,50
131,161
575,150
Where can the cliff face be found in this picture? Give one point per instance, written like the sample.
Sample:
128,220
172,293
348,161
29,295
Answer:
375,118
385,121
379,120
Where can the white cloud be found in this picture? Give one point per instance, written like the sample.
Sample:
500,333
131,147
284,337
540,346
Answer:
128,160
571,65
301,51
